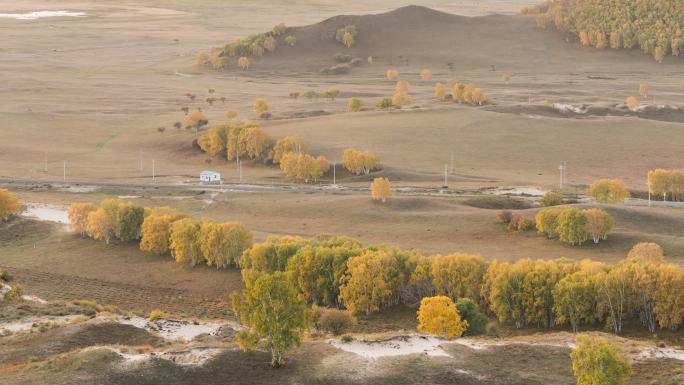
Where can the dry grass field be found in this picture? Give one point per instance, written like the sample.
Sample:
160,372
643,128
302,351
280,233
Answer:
90,93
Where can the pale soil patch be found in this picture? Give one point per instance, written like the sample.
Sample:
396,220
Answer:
29,323
40,15
176,329
187,357
395,346
46,213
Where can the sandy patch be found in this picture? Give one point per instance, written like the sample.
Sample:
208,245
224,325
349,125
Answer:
175,329
40,15
396,346
521,191
189,357
46,213
658,353
29,323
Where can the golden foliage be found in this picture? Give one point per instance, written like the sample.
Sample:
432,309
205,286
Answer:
392,74
304,167
506,77
286,145
402,86
644,89
438,316
426,74
243,62
261,107
381,189
195,119
608,191
440,91
78,216
355,105
632,103
359,162
668,183
401,98
647,252
9,204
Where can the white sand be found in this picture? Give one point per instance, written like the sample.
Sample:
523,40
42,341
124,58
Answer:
396,346
27,324
173,329
46,213
656,353
40,14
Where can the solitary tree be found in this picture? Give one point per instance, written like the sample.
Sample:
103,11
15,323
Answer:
598,224
438,316
392,74
401,98
632,103
261,107
597,362
380,189
426,74
647,252
644,89
243,62
331,93
439,91
273,311
195,120
384,103
9,204
348,39
506,77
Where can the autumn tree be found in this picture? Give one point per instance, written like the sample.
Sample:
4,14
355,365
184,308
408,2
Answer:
392,74
647,252
597,362
438,316
552,198
426,74
402,86
222,244
304,167
400,99
440,91
271,255
537,291
366,284
608,191
184,241
668,183
632,103
231,114
286,145
644,90
195,120
9,204
598,224
78,216
355,105
458,275
381,189
346,35
506,77
290,40
504,288
156,229
130,219
575,300
571,226
359,162
546,221
668,298
103,223
272,310
616,296
261,108
457,93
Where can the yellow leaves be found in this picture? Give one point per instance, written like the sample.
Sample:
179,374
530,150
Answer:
392,74
458,275
402,86
222,244
456,93
288,144
261,107
469,94
647,252
270,44
598,224
608,191
370,60
506,77
195,119
9,204
366,284
426,74
666,182
155,234
632,103
440,91
359,162
401,98
355,105
348,39
304,167
380,189
644,89
78,216
438,316
595,361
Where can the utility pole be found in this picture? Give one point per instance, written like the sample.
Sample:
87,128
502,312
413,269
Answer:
446,184
334,176
452,163
45,168
561,168
64,173
240,167
153,171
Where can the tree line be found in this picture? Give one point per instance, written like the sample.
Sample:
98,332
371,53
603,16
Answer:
655,26
162,231
668,183
340,272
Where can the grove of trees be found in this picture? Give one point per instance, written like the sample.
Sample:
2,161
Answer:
238,140
608,191
359,162
574,226
668,183
304,167
655,26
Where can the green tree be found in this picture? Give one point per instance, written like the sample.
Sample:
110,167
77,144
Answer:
185,241
571,227
131,218
470,312
608,191
355,105
575,300
546,221
270,307
552,198
597,362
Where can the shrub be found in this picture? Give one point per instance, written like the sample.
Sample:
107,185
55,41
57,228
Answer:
596,361
6,276
505,216
334,321
347,338
492,329
552,198
520,223
346,35
156,314
438,316
338,69
355,105
470,312
14,293
290,40
355,62
384,103
392,74
342,58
